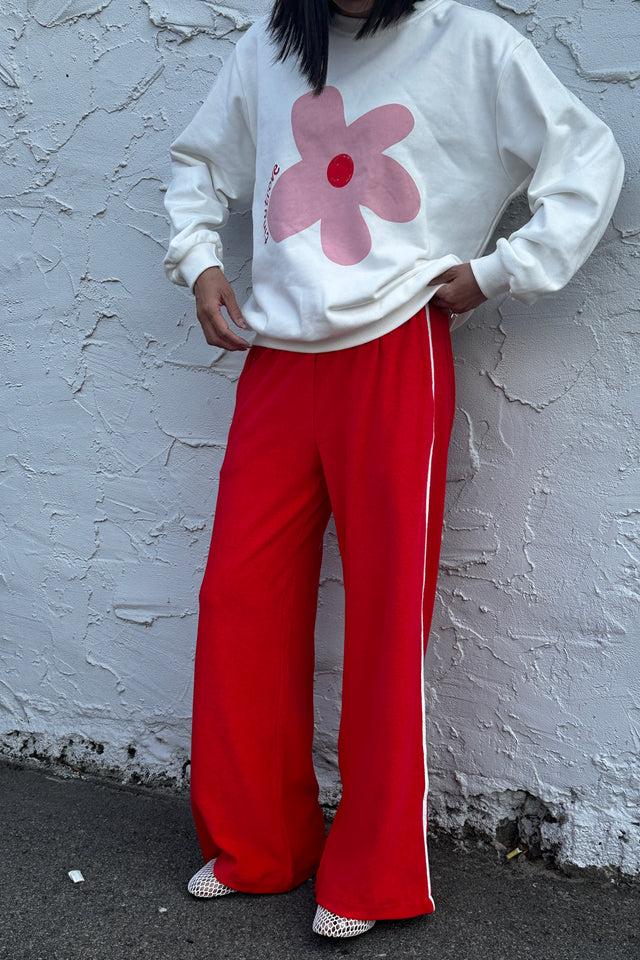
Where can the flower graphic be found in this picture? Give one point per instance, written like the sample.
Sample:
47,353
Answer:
342,167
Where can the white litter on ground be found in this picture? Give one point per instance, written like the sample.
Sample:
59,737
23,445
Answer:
76,876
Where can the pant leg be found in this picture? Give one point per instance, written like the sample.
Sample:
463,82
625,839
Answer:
387,413
254,791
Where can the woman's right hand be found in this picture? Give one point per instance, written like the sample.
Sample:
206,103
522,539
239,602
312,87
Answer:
212,290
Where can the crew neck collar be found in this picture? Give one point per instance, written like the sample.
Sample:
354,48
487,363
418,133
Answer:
341,23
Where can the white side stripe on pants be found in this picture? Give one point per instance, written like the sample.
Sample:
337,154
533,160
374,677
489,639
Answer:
424,577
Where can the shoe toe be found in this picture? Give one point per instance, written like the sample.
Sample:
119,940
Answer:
205,884
330,924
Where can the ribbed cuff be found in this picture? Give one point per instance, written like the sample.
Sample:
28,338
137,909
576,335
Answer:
200,257
490,274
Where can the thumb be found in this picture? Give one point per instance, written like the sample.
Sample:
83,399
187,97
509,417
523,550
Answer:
445,277
441,297
234,310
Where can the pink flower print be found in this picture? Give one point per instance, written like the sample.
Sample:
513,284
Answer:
342,168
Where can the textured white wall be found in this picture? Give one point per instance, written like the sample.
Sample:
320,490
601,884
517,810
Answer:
116,414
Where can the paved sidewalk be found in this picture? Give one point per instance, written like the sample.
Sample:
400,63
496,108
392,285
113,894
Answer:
136,850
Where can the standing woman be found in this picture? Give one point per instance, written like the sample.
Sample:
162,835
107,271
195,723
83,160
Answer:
378,145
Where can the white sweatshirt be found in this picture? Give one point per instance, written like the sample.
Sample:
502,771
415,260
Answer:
401,168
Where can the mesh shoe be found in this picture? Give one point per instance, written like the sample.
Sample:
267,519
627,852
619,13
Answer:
333,925
204,883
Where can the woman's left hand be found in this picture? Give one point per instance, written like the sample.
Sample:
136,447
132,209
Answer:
459,291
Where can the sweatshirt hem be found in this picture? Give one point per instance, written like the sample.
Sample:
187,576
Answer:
355,337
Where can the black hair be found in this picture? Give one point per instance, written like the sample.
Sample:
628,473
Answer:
301,27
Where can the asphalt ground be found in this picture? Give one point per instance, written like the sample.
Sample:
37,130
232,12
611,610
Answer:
136,849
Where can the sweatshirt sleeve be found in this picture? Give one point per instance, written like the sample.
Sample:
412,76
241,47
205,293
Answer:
573,170
212,168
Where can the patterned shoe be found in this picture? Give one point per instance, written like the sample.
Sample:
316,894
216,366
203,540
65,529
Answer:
204,883
333,925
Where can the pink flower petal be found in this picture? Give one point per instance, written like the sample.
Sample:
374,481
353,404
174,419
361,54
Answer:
379,128
318,125
344,234
389,190
296,200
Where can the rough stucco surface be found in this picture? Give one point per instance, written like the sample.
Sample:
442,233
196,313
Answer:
116,414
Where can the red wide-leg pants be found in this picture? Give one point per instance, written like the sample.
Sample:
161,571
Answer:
362,432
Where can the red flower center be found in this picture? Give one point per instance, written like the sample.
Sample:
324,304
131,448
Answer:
340,170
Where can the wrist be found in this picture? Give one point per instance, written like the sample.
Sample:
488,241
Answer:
490,274
201,274
196,261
